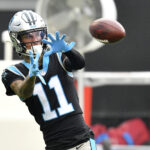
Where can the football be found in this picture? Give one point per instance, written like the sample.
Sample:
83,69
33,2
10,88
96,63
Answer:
107,30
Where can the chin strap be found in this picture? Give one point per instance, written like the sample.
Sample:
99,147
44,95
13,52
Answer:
35,49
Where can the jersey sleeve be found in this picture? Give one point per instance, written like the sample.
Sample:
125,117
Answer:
8,76
61,58
71,60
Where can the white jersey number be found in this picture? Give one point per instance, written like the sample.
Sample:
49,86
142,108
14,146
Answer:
65,107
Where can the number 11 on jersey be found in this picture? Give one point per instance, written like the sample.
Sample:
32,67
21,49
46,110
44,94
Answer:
65,107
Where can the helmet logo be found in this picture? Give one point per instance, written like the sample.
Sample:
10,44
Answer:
29,18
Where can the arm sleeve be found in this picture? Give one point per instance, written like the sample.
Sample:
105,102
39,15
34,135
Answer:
73,60
7,78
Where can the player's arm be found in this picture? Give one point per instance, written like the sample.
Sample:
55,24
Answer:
73,60
23,88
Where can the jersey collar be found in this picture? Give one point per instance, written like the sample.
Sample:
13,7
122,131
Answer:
27,65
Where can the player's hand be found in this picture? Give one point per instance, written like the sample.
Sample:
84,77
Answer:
34,66
58,44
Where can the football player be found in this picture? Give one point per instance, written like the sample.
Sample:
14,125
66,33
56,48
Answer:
44,82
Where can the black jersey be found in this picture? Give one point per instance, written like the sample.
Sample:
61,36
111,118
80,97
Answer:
55,106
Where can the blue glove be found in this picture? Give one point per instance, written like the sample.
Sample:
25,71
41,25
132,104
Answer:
34,67
58,44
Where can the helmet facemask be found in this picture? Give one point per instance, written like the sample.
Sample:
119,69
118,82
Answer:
40,34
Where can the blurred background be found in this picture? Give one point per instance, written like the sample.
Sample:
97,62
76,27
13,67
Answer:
114,86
